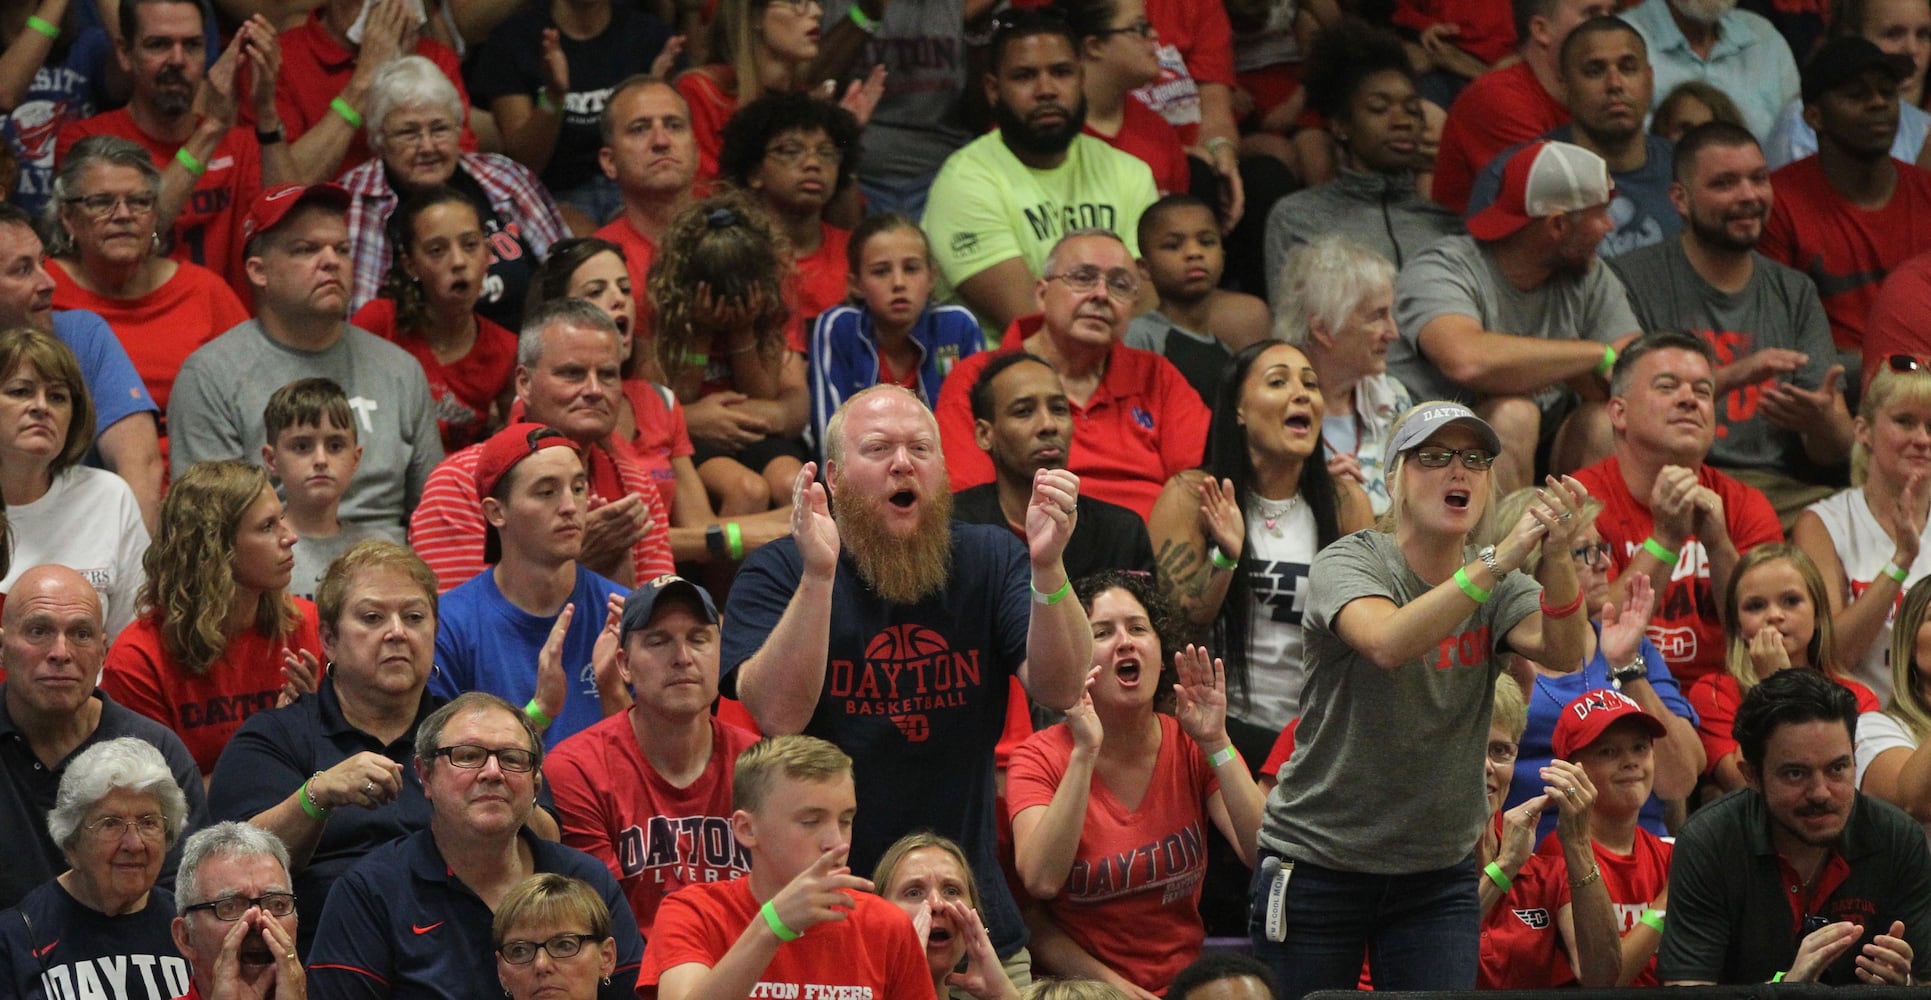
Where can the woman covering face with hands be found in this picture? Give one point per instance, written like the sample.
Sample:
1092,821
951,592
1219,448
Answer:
928,877
1405,637
1117,774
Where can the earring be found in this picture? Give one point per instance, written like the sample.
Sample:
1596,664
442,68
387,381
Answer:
606,980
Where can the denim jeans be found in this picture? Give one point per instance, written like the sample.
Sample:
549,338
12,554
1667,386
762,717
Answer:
1418,932
904,195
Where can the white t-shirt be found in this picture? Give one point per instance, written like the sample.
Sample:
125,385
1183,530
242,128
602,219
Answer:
1876,733
1864,548
89,522
1276,668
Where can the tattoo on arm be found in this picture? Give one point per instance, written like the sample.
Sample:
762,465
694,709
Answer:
1180,565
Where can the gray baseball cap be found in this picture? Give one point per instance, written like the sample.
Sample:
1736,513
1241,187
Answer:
1428,418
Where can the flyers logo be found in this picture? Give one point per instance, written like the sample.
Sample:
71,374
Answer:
915,728
1676,644
1537,918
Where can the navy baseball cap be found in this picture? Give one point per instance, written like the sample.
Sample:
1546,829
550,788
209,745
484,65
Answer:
643,600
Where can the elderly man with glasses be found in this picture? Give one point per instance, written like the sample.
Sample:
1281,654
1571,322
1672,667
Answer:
414,918
1139,421
236,873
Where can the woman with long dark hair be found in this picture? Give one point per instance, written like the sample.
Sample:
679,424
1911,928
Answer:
1234,540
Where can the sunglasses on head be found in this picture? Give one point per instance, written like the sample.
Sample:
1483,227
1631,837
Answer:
1907,363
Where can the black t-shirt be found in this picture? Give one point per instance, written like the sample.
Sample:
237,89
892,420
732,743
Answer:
1106,536
53,947
512,63
512,264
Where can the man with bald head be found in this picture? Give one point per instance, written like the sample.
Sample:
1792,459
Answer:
52,645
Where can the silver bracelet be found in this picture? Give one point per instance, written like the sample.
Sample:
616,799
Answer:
1487,555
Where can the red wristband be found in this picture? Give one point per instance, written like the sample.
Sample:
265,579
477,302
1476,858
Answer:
1562,612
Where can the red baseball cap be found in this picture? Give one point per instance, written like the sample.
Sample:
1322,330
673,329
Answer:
274,204
1583,721
1543,179
502,452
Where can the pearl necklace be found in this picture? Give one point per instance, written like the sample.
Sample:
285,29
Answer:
1271,511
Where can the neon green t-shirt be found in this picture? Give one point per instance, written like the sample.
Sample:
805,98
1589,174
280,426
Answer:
986,207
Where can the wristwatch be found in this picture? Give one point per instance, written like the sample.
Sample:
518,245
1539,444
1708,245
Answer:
269,137
1635,670
714,542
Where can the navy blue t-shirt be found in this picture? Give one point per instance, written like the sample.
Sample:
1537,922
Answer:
916,694
62,950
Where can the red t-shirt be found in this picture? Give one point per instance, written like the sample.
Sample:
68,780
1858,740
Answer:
1282,750
1688,625
463,392
1716,697
208,230
160,329
315,68
1901,316
872,954
1487,27
824,276
1196,46
1522,956
1132,899
204,711
1844,249
653,836
1141,426
1496,111
707,89
661,436
1143,133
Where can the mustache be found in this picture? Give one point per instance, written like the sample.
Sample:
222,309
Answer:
173,75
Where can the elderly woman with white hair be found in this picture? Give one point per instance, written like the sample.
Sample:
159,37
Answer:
117,817
415,121
1336,304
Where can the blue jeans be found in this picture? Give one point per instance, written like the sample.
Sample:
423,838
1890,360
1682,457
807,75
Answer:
904,195
1419,932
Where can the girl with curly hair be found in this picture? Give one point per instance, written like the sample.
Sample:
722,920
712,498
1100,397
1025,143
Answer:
729,347
219,638
428,308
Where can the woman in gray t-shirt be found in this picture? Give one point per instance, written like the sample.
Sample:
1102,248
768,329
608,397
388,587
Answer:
1367,841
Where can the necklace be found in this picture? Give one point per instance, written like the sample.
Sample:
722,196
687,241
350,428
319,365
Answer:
1271,511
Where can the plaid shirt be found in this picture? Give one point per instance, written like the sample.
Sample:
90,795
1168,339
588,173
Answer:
517,197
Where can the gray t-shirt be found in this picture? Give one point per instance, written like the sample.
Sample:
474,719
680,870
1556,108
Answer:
314,555
1778,308
215,411
1386,776
1456,277
917,123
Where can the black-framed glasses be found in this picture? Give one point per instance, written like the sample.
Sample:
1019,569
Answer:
1591,556
560,947
793,152
110,829
1472,458
1143,28
1121,284
230,908
102,206
1907,363
471,756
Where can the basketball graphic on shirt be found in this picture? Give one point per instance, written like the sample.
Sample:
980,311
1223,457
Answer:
900,643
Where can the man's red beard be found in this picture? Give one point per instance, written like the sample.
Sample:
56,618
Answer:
901,570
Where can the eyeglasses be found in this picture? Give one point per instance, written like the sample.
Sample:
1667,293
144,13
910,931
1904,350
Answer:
1121,283
1436,458
230,908
102,206
796,7
1907,363
436,134
1143,28
469,755
789,153
110,829
1502,753
1591,556
561,946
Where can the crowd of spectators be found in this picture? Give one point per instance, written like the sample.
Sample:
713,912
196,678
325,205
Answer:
1018,499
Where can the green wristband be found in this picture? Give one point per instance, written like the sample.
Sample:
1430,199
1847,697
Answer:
1891,570
1221,559
195,167
866,23
315,812
536,714
1055,597
1657,549
40,24
1608,362
696,359
1654,918
777,926
1498,876
1778,978
1476,594
349,114
734,539
543,102
1224,755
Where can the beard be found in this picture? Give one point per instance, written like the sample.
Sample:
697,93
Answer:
1024,138
173,94
901,570
1706,11
1718,235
